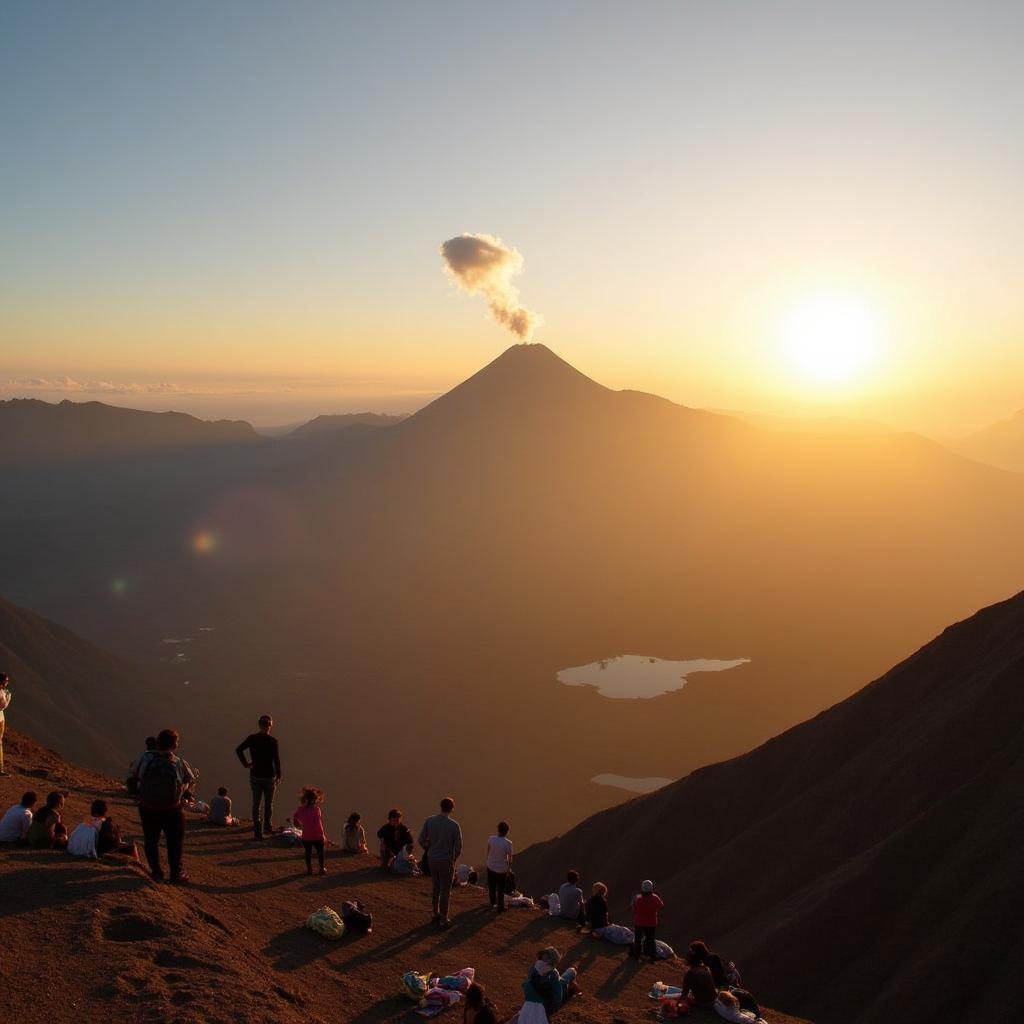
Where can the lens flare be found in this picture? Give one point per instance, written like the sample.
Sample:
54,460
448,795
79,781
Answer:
204,543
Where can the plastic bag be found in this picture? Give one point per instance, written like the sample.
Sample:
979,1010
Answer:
554,906
414,986
663,951
327,923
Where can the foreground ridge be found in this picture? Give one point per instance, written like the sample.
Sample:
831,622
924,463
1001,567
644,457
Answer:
231,947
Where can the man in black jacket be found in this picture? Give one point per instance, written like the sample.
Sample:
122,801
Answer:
264,766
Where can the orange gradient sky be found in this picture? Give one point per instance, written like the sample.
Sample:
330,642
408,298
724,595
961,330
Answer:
235,212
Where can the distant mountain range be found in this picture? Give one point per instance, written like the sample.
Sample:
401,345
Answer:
1001,444
33,430
427,581
70,694
345,421
864,867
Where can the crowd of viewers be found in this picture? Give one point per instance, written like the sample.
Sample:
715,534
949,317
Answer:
163,784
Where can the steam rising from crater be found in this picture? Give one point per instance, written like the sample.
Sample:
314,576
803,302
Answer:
484,265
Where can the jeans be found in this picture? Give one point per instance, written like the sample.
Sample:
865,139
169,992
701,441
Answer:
496,881
441,872
262,792
310,845
172,824
643,941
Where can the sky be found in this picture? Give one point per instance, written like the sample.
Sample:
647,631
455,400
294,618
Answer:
236,208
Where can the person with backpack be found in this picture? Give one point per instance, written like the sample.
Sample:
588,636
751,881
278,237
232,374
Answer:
164,782
132,782
646,905
264,774
441,838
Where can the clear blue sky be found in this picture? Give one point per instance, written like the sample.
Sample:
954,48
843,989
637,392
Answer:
208,195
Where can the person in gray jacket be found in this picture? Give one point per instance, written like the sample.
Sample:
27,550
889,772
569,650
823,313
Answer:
441,837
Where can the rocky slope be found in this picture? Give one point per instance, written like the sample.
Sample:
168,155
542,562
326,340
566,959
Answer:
865,866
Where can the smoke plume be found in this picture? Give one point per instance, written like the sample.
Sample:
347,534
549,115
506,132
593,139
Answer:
484,265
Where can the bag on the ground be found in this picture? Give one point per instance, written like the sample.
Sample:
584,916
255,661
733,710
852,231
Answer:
554,906
160,785
746,1000
414,986
617,933
326,922
663,951
356,917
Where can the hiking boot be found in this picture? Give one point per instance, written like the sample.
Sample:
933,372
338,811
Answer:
444,925
323,871
4,774
436,919
180,879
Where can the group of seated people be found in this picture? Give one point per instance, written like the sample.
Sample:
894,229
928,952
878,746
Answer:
97,836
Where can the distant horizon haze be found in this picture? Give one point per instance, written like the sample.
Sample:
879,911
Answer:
224,200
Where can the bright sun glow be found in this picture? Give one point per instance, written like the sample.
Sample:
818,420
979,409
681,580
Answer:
831,337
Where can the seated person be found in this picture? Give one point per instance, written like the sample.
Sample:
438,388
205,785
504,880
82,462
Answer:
394,836
98,836
466,875
728,1007
41,832
354,837
596,909
700,954
220,809
17,820
570,899
405,863
698,984
545,985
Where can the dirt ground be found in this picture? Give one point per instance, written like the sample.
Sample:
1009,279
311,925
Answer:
100,941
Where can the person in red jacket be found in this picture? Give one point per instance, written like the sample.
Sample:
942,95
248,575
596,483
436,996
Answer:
646,904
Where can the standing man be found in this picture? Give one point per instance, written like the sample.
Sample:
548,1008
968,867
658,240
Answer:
5,699
164,783
441,837
264,774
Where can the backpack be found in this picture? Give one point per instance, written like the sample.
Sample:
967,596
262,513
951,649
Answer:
160,784
356,917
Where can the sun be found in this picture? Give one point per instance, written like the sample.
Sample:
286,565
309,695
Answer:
831,337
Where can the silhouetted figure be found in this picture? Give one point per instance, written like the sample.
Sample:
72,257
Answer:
42,833
570,898
499,866
354,836
394,837
5,700
596,909
646,906
264,774
441,837
165,781
309,818
479,1009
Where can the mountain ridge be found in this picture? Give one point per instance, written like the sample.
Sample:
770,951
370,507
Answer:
794,850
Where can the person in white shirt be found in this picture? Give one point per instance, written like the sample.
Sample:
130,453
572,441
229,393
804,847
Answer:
499,866
15,823
5,699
